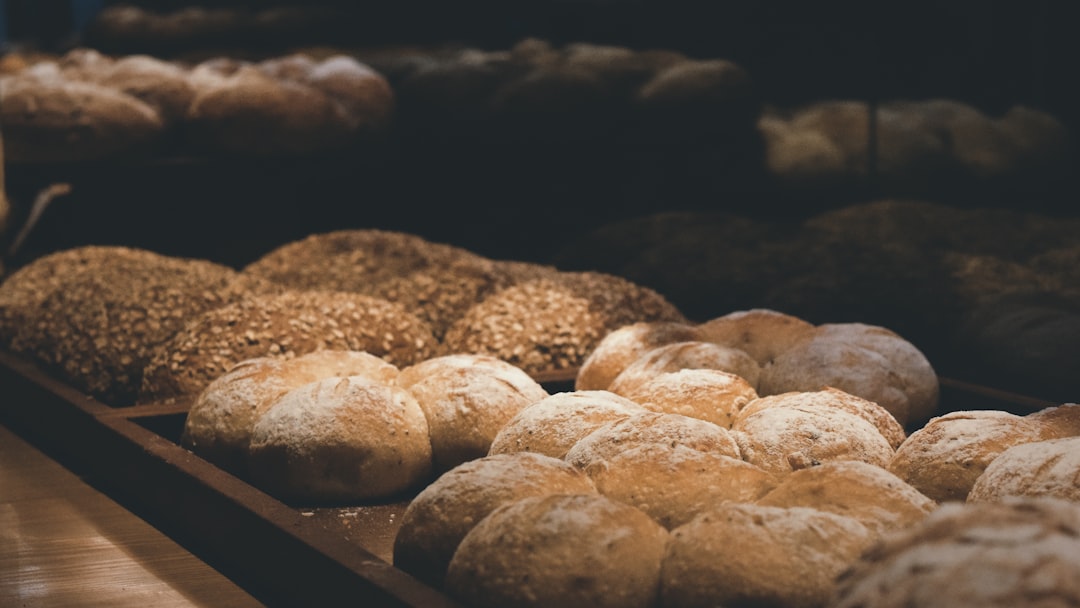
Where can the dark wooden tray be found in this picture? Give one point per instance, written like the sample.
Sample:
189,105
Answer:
284,555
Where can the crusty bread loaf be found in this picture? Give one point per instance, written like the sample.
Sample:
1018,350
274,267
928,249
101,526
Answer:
445,511
623,346
282,325
560,550
760,332
650,428
218,425
1048,468
1022,552
340,440
708,394
1060,421
792,431
868,493
553,425
161,84
944,458
466,406
685,355
754,555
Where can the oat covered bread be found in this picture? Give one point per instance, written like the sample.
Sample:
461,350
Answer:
95,315
560,550
623,346
1048,468
1021,552
445,511
282,325
340,440
707,394
218,425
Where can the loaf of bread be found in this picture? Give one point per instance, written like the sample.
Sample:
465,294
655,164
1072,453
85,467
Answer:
1048,468
686,355
708,394
341,440
759,332
446,510
650,428
623,346
833,398
218,425
573,550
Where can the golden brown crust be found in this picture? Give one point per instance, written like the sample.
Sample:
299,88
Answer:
685,355
1039,469
707,394
762,333
623,346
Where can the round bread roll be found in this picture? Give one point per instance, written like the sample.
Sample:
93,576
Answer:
623,346
340,440
785,433
944,458
674,483
869,411
444,512
560,550
364,94
648,428
706,394
1044,468
107,309
1022,552
554,424
867,361
466,407
759,332
1058,422
218,425
754,555
685,355
867,493
160,84
282,325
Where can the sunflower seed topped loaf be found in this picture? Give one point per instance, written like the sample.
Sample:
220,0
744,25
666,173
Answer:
96,314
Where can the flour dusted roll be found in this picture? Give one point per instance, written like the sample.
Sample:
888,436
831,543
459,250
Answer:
1022,552
1040,469
686,355
707,394
553,425
875,497
1058,422
560,550
466,406
445,511
753,555
944,458
218,425
160,84
341,440
621,347
650,428
761,333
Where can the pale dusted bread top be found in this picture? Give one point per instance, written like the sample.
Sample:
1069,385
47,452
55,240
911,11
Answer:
160,84
686,355
1022,552
648,428
283,325
443,513
623,346
761,333
340,440
754,555
707,394
1060,421
788,432
560,550
830,397
553,425
218,425
467,406
445,363
1040,469
944,458
868,493
673,483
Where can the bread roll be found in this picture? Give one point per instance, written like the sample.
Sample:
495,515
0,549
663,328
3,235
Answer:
560,550
466,407
867,493
944,458
340,440
160,84
553,425
1044,468
759,332
650,428
753,555
1060,421
785,433
706,394
985,555
445,511
218,425
685,355
623,346
282,325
